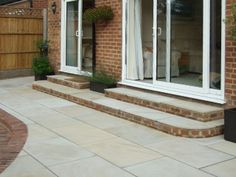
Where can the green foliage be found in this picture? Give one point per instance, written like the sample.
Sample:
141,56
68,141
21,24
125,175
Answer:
101,77
42,45
41,66
232,21
98,14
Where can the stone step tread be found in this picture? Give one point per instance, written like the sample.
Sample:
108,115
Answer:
57,87
160,99
147,113
69,78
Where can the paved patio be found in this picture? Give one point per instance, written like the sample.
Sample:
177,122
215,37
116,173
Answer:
68,140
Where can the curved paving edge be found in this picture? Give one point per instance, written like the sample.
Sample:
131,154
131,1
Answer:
18,135
173,130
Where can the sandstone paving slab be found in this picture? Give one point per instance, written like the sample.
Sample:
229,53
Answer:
16,102
165,167
133,109
16,82
3,91
59,88
36,95
91,167
141,95
198,107
54,120
21,90
76,111
22,153
102,120
92,117
37,133
83,134
35,110
116,103
139,134
122,152
224,169
16,114
182,122
54,102
88,95
225,146
56,151
190,153
207,141
26,166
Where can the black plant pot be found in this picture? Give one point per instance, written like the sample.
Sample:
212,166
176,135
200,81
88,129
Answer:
100,87
40,77
230,125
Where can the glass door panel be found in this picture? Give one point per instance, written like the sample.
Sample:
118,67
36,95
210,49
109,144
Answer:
161,68
87,40
187,42
71,31
215,44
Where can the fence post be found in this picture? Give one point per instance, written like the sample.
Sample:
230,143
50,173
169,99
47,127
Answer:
45,24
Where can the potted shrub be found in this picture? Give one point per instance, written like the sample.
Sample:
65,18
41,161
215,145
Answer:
98,14
101,81
41,67
230,125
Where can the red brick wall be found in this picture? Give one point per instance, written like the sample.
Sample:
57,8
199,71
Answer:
40,4
109,45
230,59
54,34
109,40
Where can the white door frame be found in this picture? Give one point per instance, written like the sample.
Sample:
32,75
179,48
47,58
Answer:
204,93
64,68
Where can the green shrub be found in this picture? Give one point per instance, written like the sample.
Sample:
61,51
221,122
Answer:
101,77
41,66
98,14
42,45
231,21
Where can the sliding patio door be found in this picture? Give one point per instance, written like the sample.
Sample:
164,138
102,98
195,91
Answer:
77,38
175,46
179,40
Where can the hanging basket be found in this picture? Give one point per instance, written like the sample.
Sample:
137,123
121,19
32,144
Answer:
99,14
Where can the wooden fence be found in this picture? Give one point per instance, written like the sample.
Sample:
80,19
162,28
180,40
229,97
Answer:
20,29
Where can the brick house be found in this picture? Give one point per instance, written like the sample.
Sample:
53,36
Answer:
180,47
25,3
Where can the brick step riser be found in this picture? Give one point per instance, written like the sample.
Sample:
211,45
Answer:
188,133
167,108
68,83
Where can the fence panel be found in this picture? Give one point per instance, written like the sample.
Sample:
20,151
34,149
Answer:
20,29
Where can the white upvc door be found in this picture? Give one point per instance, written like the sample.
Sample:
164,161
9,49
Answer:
203,92
71,37
187,90
167,84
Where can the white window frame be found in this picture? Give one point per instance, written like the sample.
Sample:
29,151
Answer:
205,93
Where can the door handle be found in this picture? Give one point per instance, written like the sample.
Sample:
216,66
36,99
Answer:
77,33
159,31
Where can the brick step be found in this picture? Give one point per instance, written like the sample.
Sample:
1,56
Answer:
70,81
188,109
169,123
